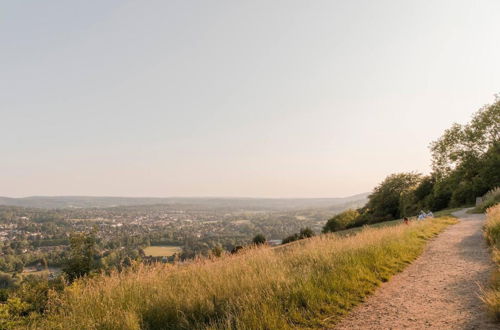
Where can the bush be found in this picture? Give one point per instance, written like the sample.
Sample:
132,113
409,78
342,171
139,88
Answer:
490,199
341,221
304,233
290,239
7,281
259,239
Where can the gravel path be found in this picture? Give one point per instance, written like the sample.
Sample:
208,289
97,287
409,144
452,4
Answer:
437,291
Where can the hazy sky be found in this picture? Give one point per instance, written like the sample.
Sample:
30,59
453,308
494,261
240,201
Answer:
234,98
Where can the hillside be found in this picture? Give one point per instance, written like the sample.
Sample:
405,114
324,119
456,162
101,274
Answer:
309,284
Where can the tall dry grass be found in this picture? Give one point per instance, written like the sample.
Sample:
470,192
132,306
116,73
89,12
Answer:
491,198
310,284
492,232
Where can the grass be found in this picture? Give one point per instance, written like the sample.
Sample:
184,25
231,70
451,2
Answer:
492,232
307,285
490,199
448,212
389,223
162,251
350,231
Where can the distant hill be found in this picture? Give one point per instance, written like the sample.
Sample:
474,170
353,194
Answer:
50,202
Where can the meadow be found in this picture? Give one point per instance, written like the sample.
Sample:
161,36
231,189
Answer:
162,250
492,232
307,285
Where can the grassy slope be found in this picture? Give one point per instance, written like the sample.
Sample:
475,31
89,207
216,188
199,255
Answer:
306,285
492,232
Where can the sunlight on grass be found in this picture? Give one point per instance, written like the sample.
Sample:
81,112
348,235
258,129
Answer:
306,285
492,232
162,251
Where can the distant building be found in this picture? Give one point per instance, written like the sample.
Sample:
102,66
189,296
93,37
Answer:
275,242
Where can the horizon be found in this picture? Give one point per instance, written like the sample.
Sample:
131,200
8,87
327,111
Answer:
269,99
181,197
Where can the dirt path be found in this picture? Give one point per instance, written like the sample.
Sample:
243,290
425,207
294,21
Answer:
438,291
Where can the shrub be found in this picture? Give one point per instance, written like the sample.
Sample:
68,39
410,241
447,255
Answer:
7,281
304,233
236,249
341,221
490,199
291,238
259,239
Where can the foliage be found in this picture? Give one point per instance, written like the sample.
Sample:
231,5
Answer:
259,239
462,144
28,297
341,221
385,201
290,239
217,251
12,313
300,286
466,159
82,255
7,281
304,233
491,198
466,164
492,232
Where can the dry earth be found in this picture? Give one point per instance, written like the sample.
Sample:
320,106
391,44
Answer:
440,290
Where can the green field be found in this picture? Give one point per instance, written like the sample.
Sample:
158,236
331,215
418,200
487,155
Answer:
162,250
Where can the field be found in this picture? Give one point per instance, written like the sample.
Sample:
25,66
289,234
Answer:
34,271
307,285
162,251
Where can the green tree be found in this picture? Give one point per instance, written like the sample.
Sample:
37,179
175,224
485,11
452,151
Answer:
306,233
465,159
341,221
466,143
385,201
82,253
259,239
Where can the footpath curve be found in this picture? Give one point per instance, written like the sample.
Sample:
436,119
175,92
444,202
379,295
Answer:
439,290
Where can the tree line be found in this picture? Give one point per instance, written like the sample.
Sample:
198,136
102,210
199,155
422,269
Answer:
465,165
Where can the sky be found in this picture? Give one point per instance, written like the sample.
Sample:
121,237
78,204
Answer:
253,98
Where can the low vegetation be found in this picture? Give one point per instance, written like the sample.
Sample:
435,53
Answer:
303,233
341,221
307,285
491,198
492,232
